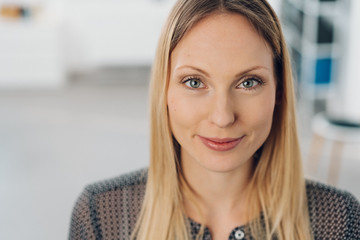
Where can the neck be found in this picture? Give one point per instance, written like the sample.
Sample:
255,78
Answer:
217,194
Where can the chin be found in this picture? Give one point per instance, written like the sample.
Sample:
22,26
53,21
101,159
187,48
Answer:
225,165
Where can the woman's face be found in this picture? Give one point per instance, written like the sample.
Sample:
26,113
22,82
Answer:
221,93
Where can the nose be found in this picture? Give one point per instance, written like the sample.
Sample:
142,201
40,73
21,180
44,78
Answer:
222,113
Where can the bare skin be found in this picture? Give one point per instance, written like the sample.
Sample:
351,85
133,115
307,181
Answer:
221,99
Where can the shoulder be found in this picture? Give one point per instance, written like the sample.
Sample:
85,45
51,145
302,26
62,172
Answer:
327,194
333,213
123,182
128,187
109,207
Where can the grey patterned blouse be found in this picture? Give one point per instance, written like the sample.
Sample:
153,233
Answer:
108,210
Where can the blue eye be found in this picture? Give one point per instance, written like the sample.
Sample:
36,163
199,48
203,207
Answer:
194,83
249,83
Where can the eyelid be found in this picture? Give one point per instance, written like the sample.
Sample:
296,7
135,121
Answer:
187,78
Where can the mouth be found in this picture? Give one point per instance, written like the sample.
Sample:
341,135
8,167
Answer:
220,144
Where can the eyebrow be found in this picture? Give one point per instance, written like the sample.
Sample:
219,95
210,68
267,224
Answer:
237,75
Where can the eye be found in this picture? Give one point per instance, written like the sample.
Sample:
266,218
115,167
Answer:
250,83
194,83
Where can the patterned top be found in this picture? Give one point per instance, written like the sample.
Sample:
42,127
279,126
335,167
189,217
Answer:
109,209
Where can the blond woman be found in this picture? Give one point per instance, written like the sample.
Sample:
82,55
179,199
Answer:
224,156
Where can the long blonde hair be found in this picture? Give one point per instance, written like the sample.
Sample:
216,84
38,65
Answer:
277,182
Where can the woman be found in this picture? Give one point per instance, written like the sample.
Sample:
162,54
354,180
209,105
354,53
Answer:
225,160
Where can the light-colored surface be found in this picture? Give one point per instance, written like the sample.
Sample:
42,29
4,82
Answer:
75,35
338,136
100,33
317,154
343,102
53,143
31,54
334,132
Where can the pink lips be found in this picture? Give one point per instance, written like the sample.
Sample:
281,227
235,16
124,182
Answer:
220,144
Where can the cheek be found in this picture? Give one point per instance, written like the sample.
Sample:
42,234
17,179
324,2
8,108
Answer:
184,109
261,115
266,119
180,113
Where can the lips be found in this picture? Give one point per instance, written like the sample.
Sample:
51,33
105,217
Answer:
220,144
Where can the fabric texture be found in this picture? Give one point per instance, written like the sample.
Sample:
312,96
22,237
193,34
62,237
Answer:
108,210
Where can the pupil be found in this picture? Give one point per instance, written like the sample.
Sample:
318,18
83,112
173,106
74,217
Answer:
194,83
248,84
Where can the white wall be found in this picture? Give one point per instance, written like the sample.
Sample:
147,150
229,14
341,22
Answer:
344,101
276,5
31,53
72,35
101,33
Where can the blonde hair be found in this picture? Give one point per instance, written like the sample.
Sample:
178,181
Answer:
277,182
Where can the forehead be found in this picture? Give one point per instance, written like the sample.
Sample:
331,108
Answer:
222,38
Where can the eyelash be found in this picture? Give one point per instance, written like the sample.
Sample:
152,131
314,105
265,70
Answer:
249,78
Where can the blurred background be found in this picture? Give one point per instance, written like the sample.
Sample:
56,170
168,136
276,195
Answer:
73,98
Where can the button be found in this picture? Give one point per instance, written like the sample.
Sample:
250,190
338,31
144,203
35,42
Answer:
239,234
